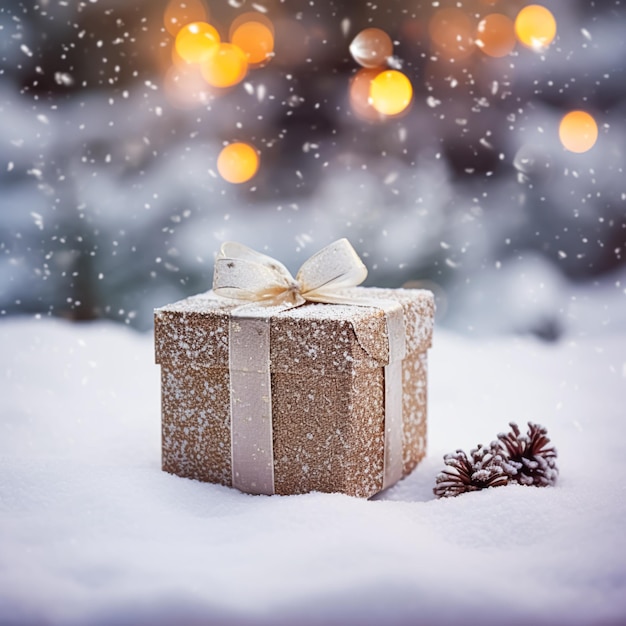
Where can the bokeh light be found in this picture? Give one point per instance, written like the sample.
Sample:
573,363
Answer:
578,131
535,27
196,41
495,35
391,92
185,88
181,12
238,162
360,86
251,16
225,66
256,40
371,47
451,33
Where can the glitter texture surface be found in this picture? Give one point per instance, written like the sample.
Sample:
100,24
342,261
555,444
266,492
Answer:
327,390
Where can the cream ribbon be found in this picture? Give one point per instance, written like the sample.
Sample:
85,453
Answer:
245,274
249,276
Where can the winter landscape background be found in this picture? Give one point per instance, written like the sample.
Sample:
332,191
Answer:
111,204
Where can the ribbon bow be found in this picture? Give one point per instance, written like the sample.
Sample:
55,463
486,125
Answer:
244,274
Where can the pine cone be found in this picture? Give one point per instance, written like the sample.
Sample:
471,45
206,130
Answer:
527,458
483,469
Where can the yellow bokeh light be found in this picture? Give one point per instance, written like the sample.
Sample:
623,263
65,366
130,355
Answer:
391,92
495,35
238,162
535,27
256,40
450,31
196,41
360,86
578,131
181,12
225,66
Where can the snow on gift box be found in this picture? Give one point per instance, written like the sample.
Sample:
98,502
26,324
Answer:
279,385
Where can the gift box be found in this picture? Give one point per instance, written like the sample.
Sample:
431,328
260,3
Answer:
289,399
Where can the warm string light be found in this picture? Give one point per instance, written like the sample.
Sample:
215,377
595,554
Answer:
195,42
225,66
391,92
360,85
222,64
238,162
535,27
495,35
254,34
578,131
199,54
451,32
376,93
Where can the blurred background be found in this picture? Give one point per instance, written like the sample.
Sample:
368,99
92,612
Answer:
448,145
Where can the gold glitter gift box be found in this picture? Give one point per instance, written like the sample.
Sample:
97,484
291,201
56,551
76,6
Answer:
329,371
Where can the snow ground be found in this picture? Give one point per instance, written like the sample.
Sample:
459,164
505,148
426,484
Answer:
93,533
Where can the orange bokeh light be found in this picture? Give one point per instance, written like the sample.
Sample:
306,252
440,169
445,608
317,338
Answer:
250,16
578,131
451,33
256,40
495,35
238,162
195,41
391,92
181,12
225,66
360,86
535,27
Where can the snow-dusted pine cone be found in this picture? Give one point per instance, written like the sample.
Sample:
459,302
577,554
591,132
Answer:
482,469
528,459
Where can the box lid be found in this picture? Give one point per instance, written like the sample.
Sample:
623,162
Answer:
315,337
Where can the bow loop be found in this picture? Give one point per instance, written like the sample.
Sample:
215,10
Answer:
244,274
335,267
